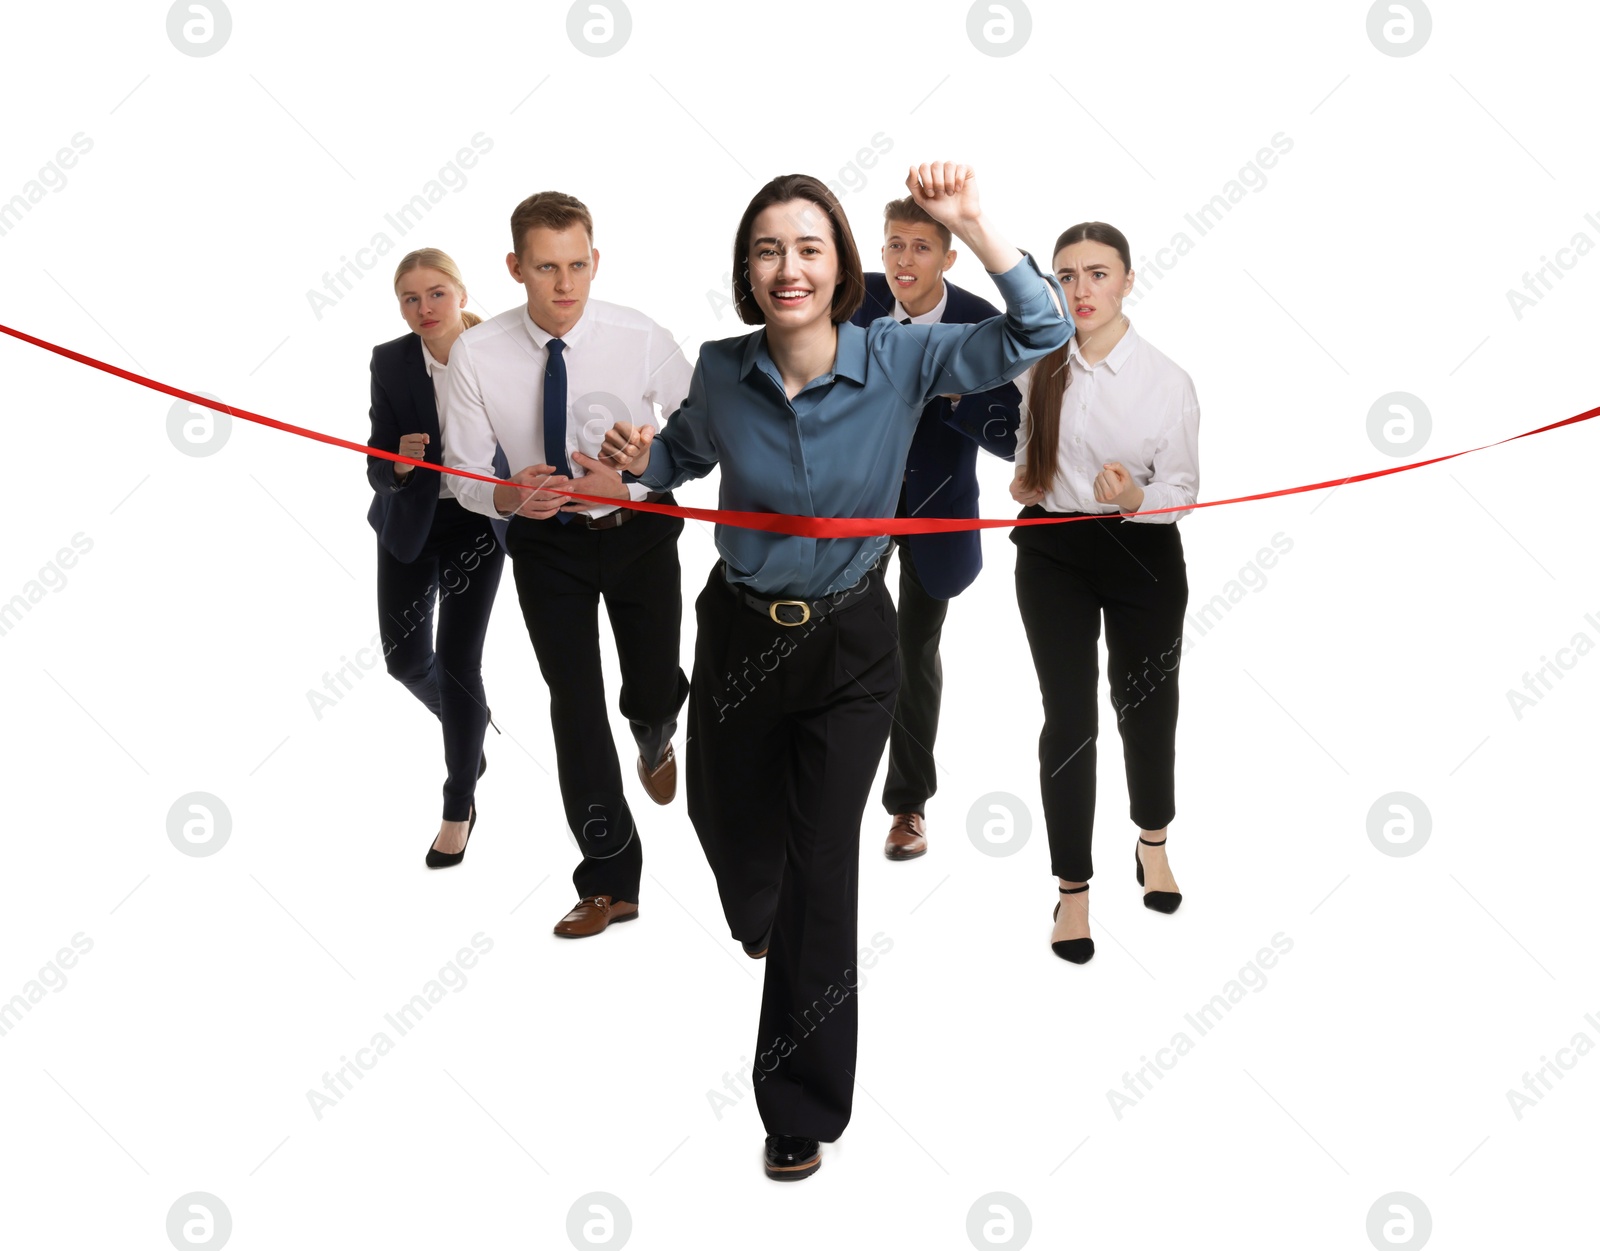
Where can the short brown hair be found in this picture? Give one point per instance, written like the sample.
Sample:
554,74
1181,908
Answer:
908,210
847,296
554,210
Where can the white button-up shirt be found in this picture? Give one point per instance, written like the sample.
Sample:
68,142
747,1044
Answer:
933,316
1135,407
620,366
436,371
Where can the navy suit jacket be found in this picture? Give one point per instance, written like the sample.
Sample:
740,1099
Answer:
941,468
403,403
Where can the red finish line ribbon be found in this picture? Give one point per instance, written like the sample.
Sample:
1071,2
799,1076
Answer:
774,523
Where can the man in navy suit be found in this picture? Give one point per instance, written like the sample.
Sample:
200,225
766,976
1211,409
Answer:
941,481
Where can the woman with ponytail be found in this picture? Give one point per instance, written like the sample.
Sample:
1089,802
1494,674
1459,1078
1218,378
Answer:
1109,428
429,546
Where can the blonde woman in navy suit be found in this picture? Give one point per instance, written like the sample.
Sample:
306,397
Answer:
429,546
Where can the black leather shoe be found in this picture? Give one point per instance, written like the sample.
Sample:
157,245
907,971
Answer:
444,859
758,949
792,1159
1156,900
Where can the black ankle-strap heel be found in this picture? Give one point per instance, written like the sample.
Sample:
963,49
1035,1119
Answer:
1156,900
1077,950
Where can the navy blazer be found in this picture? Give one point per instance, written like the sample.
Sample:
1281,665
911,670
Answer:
941,468
403,403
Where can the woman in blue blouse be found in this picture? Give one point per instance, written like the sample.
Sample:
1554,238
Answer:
796,665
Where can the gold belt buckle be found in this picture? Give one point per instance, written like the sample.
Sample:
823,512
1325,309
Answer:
772,611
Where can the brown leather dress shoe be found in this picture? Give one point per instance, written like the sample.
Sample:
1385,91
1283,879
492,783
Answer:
593,913
907,839
661,783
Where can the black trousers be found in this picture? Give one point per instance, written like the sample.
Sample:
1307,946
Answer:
1067,576
460,565
911,781
562,573
787,726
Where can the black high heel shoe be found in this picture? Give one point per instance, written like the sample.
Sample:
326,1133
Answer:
444,859
1156,900
1078,950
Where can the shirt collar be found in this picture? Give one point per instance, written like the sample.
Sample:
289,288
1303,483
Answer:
849,361
541,338
932,316
428,362
1115,358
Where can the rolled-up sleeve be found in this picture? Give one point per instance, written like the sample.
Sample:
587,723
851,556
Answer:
469,441
684,448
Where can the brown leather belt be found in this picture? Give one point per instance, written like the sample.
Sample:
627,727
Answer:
618,515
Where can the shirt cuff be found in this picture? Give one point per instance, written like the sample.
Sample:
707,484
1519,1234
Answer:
637,490
1155,501
656,475
478,497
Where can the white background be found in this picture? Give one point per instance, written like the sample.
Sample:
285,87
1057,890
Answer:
1375,657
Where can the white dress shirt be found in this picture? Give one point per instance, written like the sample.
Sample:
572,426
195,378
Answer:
933,316
435,371
1135,407
619,364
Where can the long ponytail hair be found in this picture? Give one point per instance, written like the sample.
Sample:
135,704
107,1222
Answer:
433,258
1051,376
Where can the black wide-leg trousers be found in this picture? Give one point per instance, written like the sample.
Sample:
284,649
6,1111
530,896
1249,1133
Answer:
786,729
1067,576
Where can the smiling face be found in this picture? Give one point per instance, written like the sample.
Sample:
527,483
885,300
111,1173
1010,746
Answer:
556,267
914,258
430,303
793,264
1095,282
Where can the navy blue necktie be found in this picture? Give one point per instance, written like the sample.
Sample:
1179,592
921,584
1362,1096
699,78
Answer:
555,414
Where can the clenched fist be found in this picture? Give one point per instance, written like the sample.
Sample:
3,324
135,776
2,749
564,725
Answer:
626,443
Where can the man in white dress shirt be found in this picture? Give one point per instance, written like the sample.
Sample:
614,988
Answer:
546,380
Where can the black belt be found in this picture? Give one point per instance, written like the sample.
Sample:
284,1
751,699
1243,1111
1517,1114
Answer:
806,608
